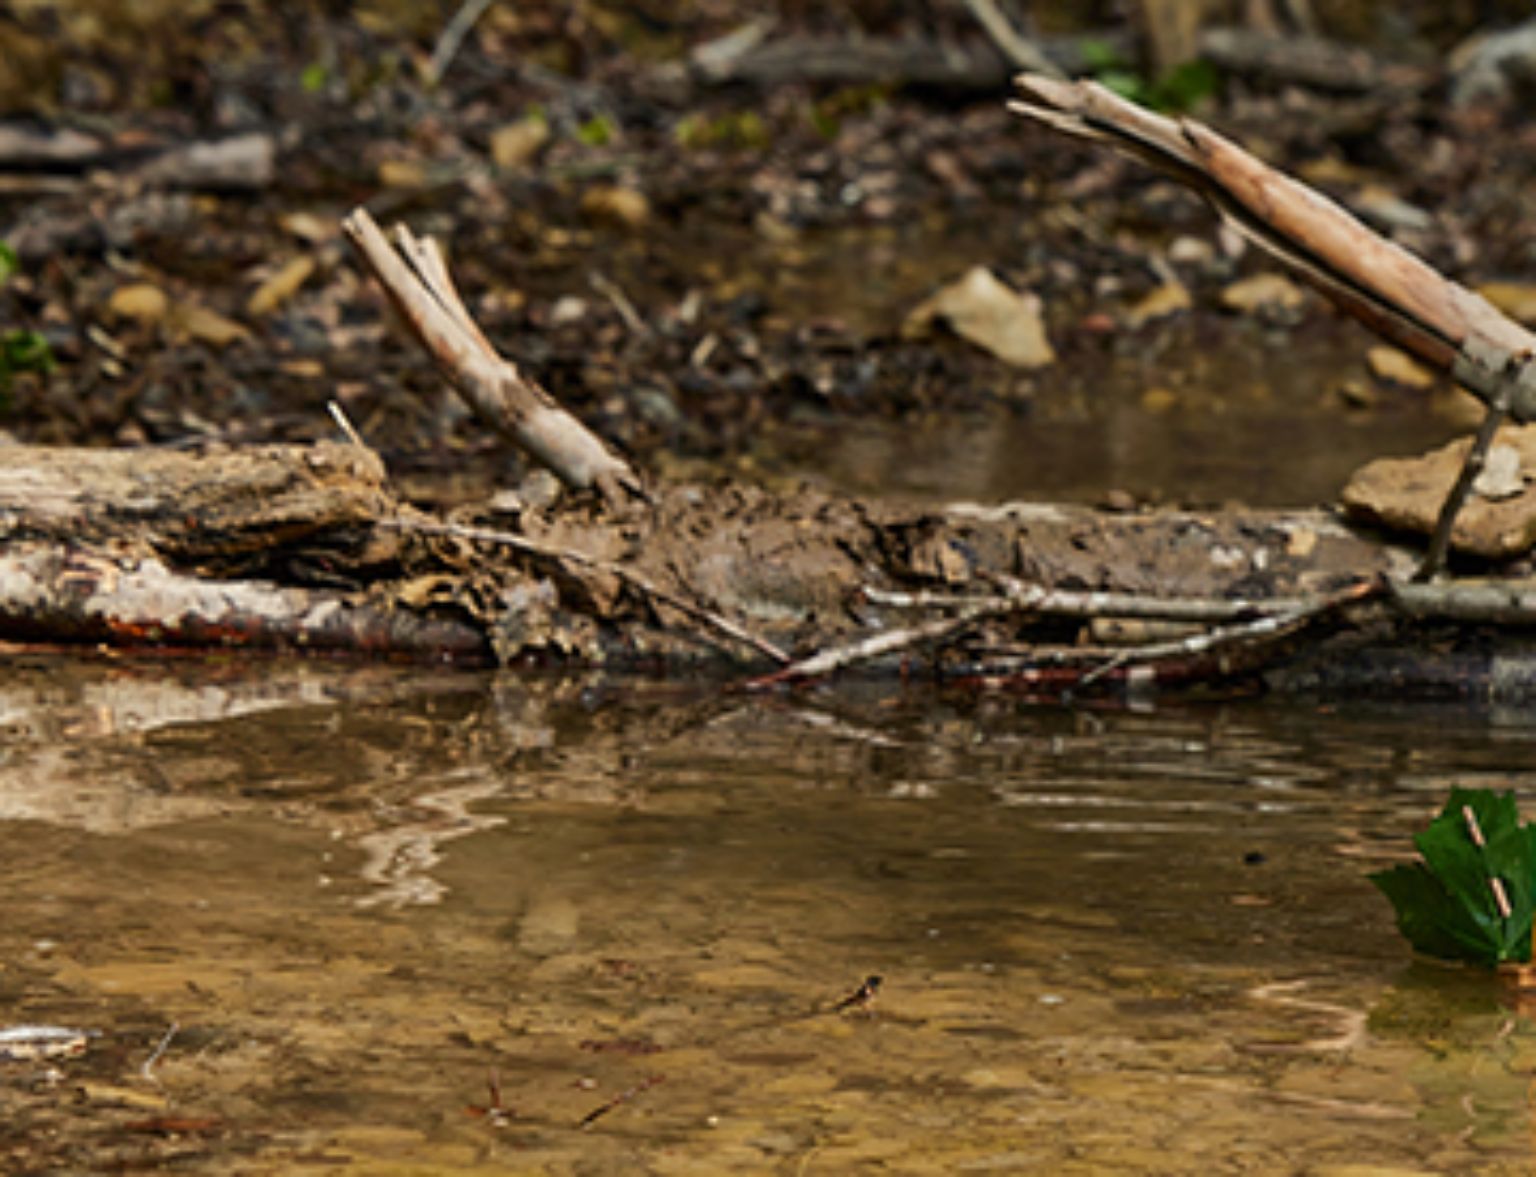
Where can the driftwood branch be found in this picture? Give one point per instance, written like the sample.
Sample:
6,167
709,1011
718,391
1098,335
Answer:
866,649
1388,288
413,274
1072,603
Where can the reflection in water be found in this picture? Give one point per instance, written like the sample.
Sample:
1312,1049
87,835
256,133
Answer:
455,922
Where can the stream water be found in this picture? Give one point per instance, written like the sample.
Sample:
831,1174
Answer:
385,921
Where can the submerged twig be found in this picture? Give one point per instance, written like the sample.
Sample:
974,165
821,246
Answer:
147,1071
863,997
629,576
623,1097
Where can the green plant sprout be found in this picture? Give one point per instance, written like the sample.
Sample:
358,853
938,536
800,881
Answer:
21,350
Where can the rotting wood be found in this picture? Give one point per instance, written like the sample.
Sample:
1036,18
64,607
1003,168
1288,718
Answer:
214,506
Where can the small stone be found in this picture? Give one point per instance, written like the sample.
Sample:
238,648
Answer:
1264,294
141,301
1501,476
1396,367
515,144
1356,394
1168,299
567,310
619,207
1193,251
1406,494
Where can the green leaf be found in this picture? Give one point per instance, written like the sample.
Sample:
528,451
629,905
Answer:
315,77
1445,904
597,131
1183,86
9,263
1100,56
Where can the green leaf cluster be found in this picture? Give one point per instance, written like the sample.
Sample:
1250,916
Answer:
1177,90
1445,903
20,350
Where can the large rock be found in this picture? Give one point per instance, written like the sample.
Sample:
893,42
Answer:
1499,518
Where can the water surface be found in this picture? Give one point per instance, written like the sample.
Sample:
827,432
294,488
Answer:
408,923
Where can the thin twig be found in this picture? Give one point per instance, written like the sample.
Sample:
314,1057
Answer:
1495,884
1021,52
629,576
827,661
1069,603
415,278
425,256
614,294
148,1069
447,47
623,1097
1244,632
344,423
1471,467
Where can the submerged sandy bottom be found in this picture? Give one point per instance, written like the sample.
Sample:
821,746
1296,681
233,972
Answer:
1109,942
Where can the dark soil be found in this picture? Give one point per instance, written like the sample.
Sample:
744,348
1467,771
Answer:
713,276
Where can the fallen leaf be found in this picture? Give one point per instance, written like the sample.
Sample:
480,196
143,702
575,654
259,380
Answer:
307,226
514,144
623,208
1397,367
1515,299
206,326
141,301
1261,292
281,286
1167,299
402,173
983,310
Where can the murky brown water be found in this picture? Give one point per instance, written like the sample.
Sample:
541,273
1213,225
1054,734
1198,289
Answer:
1111,942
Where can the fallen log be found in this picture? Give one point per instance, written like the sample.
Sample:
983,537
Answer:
306,547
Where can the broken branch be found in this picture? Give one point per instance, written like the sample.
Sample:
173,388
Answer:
1389,289
416,280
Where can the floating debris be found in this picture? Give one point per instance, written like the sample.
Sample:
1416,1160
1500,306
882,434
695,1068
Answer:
26,1044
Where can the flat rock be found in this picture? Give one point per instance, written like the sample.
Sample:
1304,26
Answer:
1498,520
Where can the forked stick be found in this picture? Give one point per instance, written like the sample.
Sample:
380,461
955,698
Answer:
413,274
1394,293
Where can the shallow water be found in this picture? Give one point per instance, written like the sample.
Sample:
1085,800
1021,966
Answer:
1110,942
